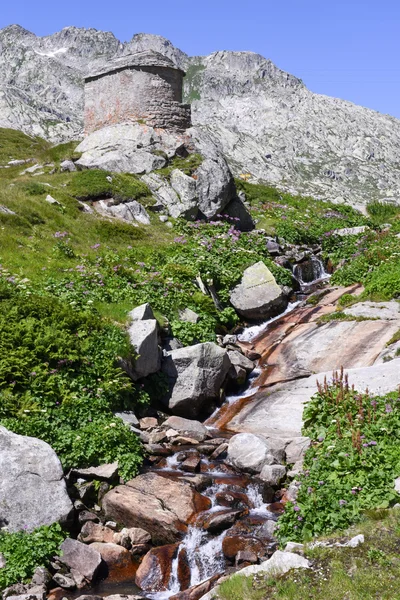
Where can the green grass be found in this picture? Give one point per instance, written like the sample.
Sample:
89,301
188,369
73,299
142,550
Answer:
368,572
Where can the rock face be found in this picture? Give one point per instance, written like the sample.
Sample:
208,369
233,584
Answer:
162,506
30,470
196,374
267,123
140,149
258,296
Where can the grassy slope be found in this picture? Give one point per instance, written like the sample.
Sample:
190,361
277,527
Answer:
369,572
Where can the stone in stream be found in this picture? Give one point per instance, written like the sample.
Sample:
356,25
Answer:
197,592
258,296
248,452
187,427
162,506
30,470
234,543
216,522
232,499
191,463
273,475
81,558
154,572
115,557
195,374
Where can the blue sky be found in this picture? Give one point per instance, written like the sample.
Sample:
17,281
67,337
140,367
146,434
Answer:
345,48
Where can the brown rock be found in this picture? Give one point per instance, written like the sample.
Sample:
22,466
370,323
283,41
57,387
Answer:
232,499
198,591
148,423
93,532
219,451
155,569
192,463
162,506
218,521
232,544
115,557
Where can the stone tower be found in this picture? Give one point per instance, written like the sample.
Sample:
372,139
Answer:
145,87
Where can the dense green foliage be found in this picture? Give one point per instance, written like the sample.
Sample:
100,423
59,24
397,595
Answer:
89,185
352,463
24,551
59,381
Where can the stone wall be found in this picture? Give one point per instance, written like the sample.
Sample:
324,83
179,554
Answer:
149,94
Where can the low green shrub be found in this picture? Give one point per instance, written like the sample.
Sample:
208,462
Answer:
60,382
351,465
93,184
24,552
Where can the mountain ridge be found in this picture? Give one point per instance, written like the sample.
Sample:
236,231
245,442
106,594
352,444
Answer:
270,127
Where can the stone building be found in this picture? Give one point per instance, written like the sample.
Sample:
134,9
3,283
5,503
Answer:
144,87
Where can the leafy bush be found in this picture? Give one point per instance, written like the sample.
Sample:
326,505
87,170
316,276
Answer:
25,551
351,465
59,381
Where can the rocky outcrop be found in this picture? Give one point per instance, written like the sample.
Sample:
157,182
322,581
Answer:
162,506
258,296
129,212
30,470
270,127
196,374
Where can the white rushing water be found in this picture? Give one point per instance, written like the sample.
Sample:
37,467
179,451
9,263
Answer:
251,332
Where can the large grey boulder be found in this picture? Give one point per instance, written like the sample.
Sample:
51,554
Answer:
258,296
81,558
32,488
177,206
250,452
215,186
196,374
143,335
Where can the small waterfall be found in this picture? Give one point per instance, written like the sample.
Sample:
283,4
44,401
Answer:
310,271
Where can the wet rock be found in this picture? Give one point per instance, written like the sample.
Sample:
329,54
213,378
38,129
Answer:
102,473
154,571
94,532
30,470
258,296
187,427
160,505
220,451
219,521
196,592
232,544
232,499
199,481
115,557
273,475
83,559
191,463
248,452
196,374
244,556
239,360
